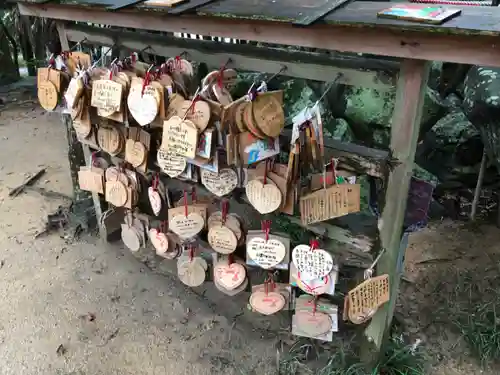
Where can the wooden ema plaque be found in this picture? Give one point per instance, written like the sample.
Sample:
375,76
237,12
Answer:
325,204
364,300
106,95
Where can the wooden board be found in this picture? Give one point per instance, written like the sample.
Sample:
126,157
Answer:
248,57
404,137
310,17
470,38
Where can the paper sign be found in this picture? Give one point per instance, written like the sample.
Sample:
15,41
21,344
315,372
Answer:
325,204
106,95
205,142
253,149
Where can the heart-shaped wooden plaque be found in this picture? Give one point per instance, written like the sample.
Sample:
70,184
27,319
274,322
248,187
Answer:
265,198
154,200
312,264
191,274
187,226
229,276
267,303
197,112
171,164
159,240
142,107
266,254
313,324
221,183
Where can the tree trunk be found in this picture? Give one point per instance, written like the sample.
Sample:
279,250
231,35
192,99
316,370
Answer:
10,70
26,46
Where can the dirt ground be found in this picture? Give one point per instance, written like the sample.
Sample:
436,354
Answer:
89,308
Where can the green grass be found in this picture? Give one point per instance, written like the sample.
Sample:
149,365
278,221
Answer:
474,310
399,359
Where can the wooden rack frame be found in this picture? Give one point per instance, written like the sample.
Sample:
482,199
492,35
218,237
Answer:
415,45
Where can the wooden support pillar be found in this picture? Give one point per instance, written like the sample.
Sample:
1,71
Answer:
78,154
411,88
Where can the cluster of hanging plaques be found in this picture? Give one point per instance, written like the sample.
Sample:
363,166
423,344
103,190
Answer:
150,125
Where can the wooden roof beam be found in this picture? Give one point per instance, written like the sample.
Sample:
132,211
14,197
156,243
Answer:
312,66
424,45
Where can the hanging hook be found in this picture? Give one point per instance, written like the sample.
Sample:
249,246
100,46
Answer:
282,69
195,97
369,272
78,44
102,56
329,87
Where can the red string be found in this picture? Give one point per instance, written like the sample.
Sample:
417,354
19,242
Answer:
225,210
230,259
314,244
193,195
266,228
271,281
220,76
191,253
195,99
145,82
309,288
266,286
185,203
132,58
315,305
177,63
93,159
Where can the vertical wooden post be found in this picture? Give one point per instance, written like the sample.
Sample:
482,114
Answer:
406,118
78,155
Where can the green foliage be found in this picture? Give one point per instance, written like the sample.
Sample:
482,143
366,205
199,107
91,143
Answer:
399,359
474,309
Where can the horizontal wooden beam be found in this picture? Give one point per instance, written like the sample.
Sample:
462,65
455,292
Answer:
424,45
310,66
